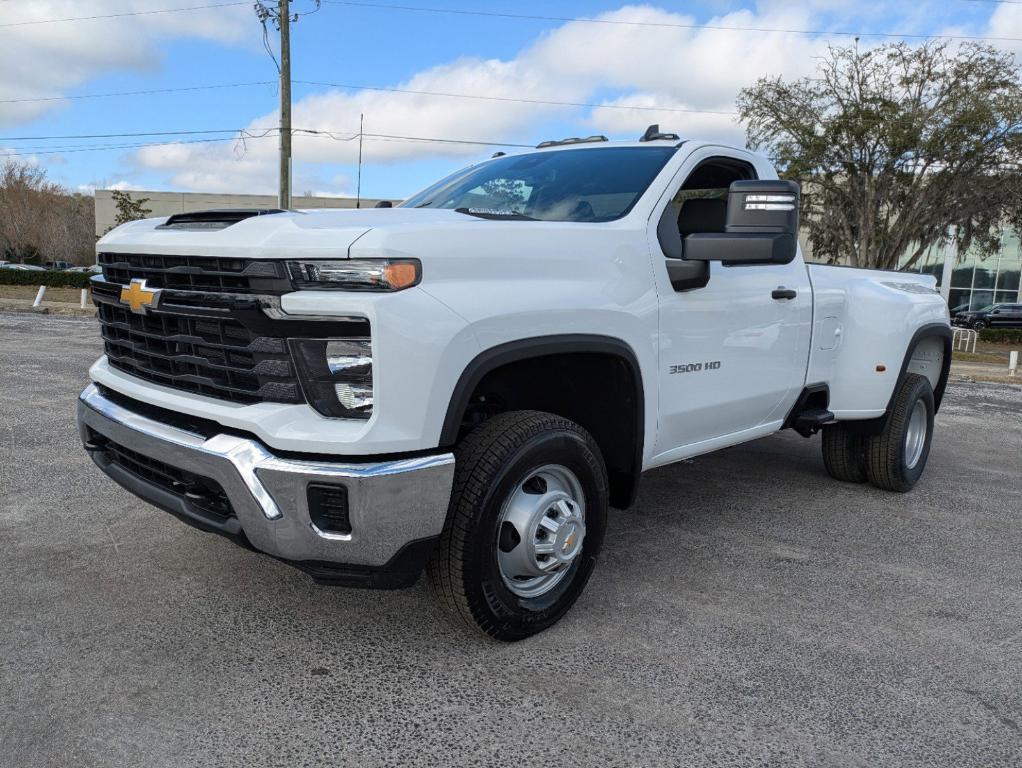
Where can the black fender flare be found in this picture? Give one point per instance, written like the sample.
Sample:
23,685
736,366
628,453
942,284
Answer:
541,346
927,331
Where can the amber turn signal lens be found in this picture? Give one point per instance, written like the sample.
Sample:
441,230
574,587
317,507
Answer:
401,274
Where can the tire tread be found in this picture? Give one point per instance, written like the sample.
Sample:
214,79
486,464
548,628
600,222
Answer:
478,459
884,451
844,454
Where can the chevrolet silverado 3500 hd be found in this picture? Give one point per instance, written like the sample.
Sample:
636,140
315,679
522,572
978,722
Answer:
465,383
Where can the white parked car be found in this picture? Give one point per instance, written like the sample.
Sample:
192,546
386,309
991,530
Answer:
466,382
22,267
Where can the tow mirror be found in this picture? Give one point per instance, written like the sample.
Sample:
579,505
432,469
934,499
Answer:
761,226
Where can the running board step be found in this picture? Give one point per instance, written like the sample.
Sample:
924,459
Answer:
809,422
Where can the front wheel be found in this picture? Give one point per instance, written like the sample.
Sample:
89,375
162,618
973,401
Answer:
525,524
896,457
979,325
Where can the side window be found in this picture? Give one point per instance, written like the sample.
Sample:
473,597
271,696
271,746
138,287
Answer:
702,199
700,204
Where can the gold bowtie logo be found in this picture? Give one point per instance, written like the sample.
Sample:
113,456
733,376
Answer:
138,297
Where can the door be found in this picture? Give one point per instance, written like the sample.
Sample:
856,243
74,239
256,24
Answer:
1006,316
734,352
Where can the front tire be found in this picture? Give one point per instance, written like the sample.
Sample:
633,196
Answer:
525,524
979,325
896,457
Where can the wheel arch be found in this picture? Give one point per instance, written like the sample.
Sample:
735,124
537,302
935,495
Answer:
931,335
916,360
623,457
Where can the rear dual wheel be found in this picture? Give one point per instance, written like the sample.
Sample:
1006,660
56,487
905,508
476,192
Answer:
525,524
895,458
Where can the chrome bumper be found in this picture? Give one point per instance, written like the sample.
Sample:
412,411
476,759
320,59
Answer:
392,504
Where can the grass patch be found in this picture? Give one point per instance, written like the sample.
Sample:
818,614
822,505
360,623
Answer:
61,295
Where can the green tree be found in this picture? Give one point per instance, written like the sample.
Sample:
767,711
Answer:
129,209
896,147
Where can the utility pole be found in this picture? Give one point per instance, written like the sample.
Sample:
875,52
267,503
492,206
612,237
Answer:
281,18
284,16
358,184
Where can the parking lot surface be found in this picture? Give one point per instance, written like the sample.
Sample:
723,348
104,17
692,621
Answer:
747,611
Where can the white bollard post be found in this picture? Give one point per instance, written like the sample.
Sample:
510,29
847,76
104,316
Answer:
85,297
39,296
1012,362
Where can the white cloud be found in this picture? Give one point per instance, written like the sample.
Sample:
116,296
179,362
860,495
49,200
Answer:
1006,21
667,67
44,60
674,66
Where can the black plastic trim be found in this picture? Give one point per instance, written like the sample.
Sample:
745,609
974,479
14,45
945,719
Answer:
931,329
214,219
541,346
176,505
401,571
803,398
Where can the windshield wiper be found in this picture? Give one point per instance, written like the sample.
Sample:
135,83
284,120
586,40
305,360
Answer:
495,213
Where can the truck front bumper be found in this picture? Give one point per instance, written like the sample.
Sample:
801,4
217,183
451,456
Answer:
235,486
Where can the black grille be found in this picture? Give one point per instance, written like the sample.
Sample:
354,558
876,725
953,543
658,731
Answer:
197,273
208,355
202,492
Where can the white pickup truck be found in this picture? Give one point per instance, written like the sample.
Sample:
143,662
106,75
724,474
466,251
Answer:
466,382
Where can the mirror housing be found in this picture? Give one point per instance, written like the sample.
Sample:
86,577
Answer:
384,204
761,227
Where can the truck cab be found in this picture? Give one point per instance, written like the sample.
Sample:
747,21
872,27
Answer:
465,382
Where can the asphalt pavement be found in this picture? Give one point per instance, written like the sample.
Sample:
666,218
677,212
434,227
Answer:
748,611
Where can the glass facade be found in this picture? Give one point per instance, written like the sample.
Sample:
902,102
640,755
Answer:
975,282
978,282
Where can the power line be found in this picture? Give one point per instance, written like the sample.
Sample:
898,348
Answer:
427,139
137,93
121,15
128,135
382,89
106,147
545,102
244,135
659,24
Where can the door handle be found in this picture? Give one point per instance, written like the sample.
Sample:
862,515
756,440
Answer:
783,293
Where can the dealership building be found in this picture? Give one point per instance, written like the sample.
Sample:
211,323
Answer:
973,282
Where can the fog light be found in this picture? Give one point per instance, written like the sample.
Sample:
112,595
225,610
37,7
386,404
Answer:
354,397
337,375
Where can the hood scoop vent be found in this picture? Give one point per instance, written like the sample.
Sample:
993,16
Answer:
205,220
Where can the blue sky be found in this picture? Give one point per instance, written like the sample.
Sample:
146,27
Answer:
661,68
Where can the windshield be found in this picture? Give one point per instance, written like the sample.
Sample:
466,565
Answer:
556,185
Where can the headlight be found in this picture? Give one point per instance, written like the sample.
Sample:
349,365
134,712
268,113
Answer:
337,375
356,274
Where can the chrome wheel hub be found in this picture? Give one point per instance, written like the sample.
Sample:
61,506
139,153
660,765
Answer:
915,435
541,530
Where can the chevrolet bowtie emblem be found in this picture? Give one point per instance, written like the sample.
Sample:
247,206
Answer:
138,297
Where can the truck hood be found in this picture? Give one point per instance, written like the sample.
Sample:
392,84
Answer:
323,233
